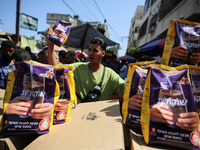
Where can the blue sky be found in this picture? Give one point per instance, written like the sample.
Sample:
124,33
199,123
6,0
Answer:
118,14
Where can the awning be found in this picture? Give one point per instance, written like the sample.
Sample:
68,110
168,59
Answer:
154,48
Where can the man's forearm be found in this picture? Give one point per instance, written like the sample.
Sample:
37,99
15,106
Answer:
51,55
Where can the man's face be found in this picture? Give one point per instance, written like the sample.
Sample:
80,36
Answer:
95,54
69,59
7,52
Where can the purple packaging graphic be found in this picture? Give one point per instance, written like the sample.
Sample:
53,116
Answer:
181,33
195,82
138,77
60,113
29,99
61,31
168,102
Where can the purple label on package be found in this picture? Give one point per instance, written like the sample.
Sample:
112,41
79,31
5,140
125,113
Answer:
187,35
61,30
29,109
136,92
171,104
61,77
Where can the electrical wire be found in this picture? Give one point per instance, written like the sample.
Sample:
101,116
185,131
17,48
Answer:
76,5
89,10
115,34
105,19
99,9
71,9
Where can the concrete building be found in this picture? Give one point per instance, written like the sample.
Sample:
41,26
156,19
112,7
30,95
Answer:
159,13
135,27
52,18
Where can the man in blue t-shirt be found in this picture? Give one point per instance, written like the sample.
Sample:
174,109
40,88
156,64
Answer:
6,62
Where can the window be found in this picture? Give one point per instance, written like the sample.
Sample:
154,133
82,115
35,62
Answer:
153,20
137,29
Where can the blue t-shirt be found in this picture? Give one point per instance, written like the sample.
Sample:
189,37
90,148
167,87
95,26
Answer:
5,68
123,72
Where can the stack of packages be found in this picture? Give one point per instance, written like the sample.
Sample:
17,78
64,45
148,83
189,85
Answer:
133,94
38,95
170,104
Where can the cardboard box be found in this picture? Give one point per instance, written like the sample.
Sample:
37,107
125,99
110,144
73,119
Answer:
95,125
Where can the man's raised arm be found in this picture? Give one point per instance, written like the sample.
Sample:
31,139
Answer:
51,54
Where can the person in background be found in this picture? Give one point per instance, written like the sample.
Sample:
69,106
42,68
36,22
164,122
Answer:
20,55
33,56
123,70
6,61
89,74
62,55
71,57
43,56
113,63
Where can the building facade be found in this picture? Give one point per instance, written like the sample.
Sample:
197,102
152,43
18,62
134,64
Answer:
159,13
135,27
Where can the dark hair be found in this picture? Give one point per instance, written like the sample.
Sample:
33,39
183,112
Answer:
41,53
100,42
62,54
21,55
71,53
28,49
8,44
45,50
114,56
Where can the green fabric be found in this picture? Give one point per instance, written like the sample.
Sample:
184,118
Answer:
28,42
85,80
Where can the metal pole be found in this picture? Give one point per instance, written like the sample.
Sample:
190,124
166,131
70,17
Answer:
17,21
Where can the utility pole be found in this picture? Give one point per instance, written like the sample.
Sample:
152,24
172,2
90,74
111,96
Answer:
17,21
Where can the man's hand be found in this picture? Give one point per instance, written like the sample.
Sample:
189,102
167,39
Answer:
51,54
194,58
161,113
41,111
135,102
61,105
188,121
19,105
179,52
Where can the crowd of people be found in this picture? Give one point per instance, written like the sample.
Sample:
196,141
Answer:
10,55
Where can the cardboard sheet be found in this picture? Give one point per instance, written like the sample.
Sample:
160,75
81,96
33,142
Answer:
96,125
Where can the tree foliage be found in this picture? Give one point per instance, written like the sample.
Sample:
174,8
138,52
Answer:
114,49
42,43
134,52
32,37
